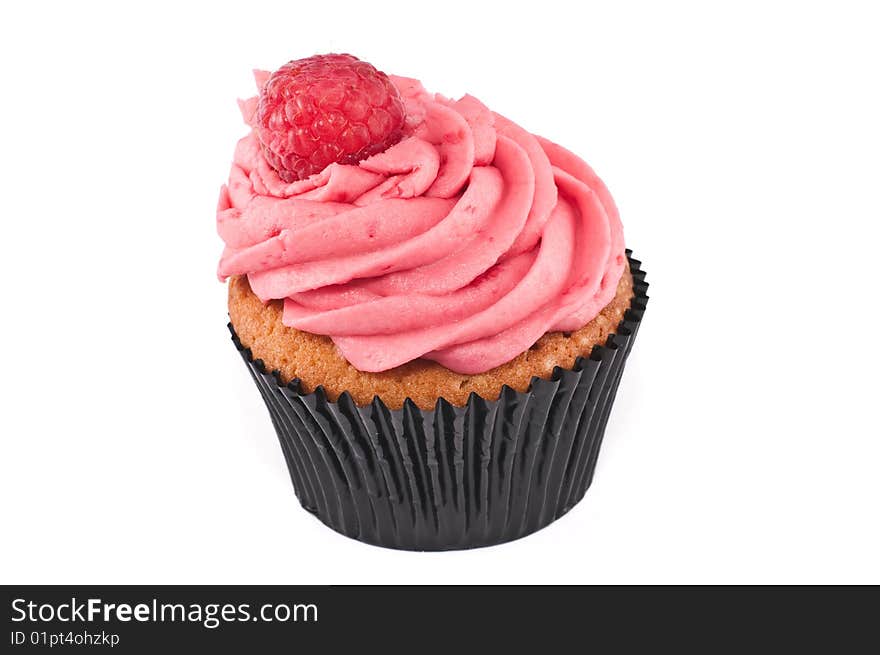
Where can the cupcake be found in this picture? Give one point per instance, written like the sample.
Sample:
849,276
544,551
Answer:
435,304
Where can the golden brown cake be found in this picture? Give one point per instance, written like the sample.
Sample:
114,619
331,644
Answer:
315,361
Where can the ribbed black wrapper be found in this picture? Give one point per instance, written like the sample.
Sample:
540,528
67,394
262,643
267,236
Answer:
451,477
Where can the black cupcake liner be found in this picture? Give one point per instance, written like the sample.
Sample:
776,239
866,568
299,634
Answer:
452,477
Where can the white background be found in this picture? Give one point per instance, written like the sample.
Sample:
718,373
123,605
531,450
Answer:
741,142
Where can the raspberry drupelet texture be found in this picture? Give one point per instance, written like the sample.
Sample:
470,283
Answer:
323,109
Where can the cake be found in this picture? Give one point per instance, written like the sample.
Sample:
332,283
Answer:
435,304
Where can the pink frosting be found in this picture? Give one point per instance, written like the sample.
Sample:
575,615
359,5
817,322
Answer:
463,243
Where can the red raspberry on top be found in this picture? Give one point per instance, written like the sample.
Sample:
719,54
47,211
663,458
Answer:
324,109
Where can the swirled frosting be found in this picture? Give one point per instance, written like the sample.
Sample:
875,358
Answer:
463,243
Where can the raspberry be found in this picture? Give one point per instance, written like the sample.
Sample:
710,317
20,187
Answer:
324,109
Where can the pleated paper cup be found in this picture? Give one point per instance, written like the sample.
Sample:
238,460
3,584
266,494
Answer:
452,477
